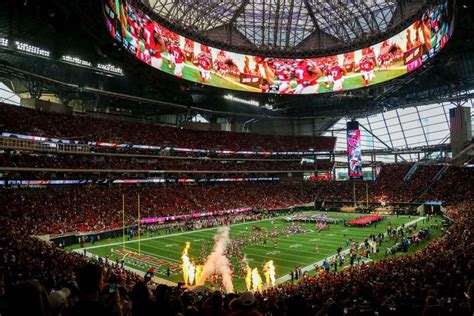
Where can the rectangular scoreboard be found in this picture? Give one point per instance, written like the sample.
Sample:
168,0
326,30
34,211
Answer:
354,150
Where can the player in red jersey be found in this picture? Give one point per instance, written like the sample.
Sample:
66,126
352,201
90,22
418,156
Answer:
307,75
386,60
178,57
338,75
170,48
153,38
204,63
282,78
367,70
327,75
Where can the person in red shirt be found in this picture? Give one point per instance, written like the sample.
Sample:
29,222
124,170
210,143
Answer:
338,75
204,63
307,75
178,58
154,41
170,48
327,75
282,78
367,70
386,60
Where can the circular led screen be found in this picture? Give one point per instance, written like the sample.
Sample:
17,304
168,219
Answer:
163,49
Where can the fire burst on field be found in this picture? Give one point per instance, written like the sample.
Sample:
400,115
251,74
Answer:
253,280
189,269
256,280
269,270
248,278
216,264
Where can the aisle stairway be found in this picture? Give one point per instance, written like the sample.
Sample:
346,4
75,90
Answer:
411,171
435,178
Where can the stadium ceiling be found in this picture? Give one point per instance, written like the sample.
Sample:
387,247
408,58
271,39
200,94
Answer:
285,26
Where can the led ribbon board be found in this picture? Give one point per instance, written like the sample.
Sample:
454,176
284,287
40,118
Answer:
174,54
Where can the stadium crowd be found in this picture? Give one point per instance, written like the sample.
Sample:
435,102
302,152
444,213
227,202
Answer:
19,120
460,182
98,208
65,161
437,280
390,186
59,210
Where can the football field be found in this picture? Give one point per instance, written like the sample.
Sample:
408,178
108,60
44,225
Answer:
301,249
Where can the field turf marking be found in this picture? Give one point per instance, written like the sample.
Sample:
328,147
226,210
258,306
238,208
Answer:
310,267
257,248
175,234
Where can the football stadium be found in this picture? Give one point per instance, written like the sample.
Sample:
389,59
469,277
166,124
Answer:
241,158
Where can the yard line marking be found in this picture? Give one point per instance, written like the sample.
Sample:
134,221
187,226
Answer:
175,234
191,231
154,254
136,271
345,251
294,238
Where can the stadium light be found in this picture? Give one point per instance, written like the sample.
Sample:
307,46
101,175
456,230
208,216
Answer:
32,49
110,68
3,42
76,61
268,106
249,102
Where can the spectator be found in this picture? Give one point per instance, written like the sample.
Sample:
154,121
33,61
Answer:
90,279
247,307
29,298
141,298
58,301
213,305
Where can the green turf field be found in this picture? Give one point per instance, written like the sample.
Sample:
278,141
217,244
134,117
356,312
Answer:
164,251
190,72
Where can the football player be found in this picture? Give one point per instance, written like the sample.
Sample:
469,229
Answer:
367,70
204,63
178,57
307,75
338,75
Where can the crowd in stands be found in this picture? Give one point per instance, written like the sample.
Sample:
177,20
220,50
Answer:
66,161
98,208
390,186
452,178
58,210
436,280
20,120
415,184
24,260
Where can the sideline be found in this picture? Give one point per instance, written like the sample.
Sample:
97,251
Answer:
126,267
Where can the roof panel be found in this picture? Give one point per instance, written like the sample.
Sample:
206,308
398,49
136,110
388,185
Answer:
281,23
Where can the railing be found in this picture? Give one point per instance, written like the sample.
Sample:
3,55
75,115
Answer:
148,171
411,172
72,148
27,144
